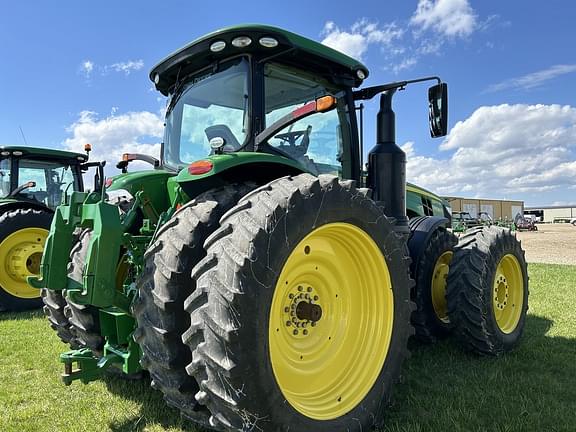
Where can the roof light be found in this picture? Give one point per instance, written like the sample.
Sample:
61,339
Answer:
17,153
200,167
360,74
156,78
109,182
217,46
268,42
5,153
80,158
87,147
241,41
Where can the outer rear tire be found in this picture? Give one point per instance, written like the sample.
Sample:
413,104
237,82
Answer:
237,284
10,223
164,285
488,290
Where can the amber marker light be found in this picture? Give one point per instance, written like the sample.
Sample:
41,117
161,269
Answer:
325,103
200,167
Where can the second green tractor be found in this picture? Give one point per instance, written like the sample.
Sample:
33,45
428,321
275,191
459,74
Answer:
258,276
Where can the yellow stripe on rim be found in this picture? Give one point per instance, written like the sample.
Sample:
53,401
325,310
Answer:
331,321
439,286
20,257
508,293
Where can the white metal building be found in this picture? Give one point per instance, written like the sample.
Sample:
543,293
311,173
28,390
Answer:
552,214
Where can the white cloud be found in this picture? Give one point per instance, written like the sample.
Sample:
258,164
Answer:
531,80
503,151
133,132
450,18
126,67
86,68
363,33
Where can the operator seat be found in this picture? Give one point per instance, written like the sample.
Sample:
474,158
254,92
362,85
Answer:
223,131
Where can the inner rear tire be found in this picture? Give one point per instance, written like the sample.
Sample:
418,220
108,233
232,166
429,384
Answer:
164,285
430,319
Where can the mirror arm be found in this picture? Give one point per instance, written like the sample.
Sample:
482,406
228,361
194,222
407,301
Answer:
370,92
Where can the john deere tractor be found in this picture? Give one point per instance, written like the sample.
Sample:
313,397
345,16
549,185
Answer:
32,184
262,282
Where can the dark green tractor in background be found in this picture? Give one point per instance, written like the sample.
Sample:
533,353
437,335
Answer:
32,184
260,278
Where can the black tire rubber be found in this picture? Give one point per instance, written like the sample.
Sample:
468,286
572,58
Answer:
229,311
470,289
54,309
10,222
427,324
164,285
84,320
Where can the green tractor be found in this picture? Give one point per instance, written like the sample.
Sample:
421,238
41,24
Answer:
262,281
32,184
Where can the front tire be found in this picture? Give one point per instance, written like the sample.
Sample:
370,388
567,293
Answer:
488,290
301,315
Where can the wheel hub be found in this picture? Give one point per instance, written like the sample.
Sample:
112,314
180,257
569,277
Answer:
303,311
501,292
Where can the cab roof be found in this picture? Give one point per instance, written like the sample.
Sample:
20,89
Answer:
42,153
291,48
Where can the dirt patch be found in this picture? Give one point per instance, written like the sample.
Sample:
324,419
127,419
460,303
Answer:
552,244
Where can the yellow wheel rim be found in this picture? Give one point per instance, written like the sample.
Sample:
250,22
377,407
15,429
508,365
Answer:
20,257
439,276
508,293
331,321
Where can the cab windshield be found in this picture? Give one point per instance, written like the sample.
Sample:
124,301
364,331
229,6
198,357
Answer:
210,104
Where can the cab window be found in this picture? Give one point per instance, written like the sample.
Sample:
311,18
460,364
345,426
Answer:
51,178
320,142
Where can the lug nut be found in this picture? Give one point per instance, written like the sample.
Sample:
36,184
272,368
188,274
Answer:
300,288
295,332
309,289
288,323
305,332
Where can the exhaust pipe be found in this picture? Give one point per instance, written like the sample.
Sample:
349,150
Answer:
387,165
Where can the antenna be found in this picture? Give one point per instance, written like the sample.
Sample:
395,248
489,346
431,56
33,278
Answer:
23,136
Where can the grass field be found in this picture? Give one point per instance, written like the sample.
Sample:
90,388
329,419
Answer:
531,389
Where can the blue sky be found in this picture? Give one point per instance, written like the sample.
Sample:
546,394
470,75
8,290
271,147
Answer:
75,72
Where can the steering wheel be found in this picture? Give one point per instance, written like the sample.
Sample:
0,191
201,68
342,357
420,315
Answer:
289,145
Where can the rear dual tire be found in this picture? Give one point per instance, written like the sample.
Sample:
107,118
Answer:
246,357
488,290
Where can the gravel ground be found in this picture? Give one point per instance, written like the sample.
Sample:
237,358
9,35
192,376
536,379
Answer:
551,244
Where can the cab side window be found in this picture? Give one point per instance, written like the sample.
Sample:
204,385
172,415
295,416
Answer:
318,141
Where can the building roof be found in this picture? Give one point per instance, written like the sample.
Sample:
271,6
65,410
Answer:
569,206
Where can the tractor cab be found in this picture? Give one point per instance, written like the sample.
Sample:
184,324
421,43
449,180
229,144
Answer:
228,87
39,176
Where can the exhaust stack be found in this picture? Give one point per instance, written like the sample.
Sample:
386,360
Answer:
387,165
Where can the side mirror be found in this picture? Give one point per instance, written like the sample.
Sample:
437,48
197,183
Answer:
438,110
